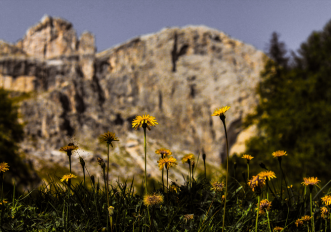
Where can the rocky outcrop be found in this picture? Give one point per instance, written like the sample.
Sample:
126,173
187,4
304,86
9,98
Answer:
178,75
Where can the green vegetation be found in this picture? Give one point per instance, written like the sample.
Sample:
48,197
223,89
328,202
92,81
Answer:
294,111
11,133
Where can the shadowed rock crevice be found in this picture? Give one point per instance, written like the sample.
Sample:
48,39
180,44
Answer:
175,55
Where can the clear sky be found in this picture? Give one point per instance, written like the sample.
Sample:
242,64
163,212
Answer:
116,21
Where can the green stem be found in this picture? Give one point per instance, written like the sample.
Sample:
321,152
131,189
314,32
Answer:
247,171
167,194
145,147
267,185
268,220
162,177
227,171
108,184
281,179
257,213
311,210
204,165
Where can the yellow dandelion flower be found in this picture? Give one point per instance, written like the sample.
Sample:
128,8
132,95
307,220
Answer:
163,152
4,167
188,217
144,121
221,111
69,148
267,174
108,138
298,222
326,200
305,218
279,154
310,181
3,202
111,210
68,177
256,182
277,228
151,200
265,205
247,157
217,186
174,188
324,212
168,162
290,186
188,157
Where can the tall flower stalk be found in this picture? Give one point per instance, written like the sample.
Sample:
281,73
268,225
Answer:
108,138
248,159
220,112
189,158
164,153
279,155
310,182
144,121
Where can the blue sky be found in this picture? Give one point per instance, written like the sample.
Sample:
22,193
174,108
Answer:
114,22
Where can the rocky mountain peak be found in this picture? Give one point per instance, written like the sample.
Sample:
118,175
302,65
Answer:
53,37
178,75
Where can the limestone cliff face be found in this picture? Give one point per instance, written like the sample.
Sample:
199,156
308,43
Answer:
178,75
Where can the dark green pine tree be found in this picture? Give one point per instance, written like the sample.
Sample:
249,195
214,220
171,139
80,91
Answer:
294,112
11,134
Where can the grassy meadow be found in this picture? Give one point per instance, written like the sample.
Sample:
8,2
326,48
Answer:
264,201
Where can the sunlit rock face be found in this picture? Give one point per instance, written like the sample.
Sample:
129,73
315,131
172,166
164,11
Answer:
178,75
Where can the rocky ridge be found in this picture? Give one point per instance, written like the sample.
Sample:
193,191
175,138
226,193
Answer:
178,75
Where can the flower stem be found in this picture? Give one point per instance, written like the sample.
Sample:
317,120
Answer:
145,148
108,183
257,213
268,220
227,170
247,171
311,210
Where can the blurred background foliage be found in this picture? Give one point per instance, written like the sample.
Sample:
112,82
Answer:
294,110
11,134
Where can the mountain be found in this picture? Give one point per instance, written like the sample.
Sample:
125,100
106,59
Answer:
178,75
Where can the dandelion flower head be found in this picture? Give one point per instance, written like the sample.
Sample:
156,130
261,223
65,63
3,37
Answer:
144,121
310,181
168,162
306,218
188,157
163,152
69,148
324,212
326,200
151,200
264,205
68,177
221,111
298,222
188,217
277,228
101,162
4,167
279,154
3,202
217,186
174,188
267,175
247,157
256,182
108,138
